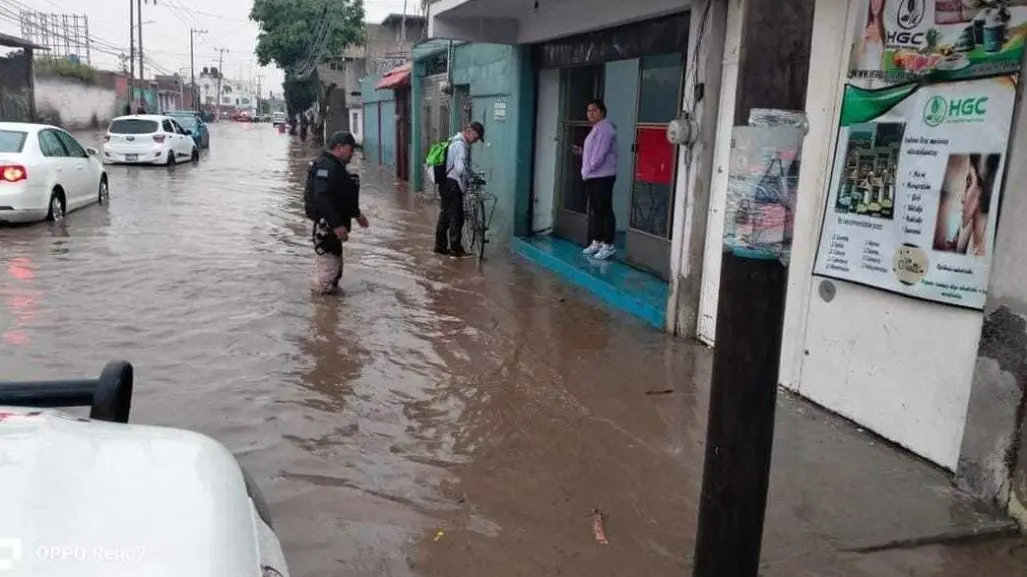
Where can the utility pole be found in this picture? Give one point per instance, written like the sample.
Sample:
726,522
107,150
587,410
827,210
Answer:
192,65
221,74
403,27
139,15
773,73
260,86
131,53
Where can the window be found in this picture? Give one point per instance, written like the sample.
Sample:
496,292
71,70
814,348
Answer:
178,127
580,84
74,149
132,126
12,140
659,90
50,145
168,127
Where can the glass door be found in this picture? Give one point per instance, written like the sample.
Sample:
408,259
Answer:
578,86
652,189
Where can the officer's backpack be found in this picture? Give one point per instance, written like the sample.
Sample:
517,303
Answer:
436,160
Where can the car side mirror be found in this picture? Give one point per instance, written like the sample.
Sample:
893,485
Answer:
92,151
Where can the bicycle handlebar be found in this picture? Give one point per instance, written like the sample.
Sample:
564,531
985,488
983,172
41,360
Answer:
109,396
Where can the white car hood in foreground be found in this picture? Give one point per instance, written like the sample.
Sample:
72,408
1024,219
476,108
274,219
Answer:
89,498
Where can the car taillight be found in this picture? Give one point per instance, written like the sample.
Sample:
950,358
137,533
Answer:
13,173
158,138
106,137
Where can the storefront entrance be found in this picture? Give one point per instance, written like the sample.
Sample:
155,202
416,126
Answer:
578,86
638,70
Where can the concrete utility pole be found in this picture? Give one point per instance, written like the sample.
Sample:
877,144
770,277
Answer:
773,73
192,65
139,15
221,74
131,51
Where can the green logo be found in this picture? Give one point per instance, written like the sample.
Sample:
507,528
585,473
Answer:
939,110
935,111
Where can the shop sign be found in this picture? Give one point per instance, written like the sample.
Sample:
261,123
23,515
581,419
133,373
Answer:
499,110
915,188
899,41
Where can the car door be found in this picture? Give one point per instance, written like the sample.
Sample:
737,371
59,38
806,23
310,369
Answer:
187,139
57,163
172,137
80,170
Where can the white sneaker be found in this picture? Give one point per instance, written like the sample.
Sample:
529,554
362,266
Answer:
592,248
606,251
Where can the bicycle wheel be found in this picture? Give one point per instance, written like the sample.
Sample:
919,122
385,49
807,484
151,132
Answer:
479,225
470,224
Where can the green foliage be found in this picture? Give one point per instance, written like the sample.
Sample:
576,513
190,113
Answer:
287,38
66,69
288,28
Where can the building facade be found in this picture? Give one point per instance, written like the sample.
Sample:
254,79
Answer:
919,343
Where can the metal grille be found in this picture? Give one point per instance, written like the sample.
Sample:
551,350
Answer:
66,36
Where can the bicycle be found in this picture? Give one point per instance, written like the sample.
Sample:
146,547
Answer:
479,208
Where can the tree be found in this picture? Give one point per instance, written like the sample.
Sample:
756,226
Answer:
289,39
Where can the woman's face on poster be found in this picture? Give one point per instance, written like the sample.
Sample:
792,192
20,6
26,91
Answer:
876,7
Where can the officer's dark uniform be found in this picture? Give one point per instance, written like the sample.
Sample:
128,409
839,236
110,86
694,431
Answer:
331,199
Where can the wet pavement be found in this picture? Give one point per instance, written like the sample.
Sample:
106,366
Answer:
439,418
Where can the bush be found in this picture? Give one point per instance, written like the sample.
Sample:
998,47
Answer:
67,69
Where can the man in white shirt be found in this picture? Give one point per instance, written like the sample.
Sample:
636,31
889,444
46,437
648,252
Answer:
449,230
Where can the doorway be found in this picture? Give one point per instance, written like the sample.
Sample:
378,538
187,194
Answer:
578,86
654,160
403,133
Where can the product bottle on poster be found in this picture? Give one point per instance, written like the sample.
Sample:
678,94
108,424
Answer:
994,32
844,199
889,194
863,196
874,206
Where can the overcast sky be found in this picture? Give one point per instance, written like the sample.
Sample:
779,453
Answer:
166,39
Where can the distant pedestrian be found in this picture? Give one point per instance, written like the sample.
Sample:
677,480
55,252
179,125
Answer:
304,126
449,230
331,201
598,174
141,109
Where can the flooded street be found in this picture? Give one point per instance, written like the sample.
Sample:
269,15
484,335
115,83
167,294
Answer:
438,419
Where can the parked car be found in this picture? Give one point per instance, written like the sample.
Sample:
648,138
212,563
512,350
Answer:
45,173
99,496
148,139
242,116
192,122
277,118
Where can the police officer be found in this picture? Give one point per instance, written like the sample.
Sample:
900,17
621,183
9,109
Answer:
332,200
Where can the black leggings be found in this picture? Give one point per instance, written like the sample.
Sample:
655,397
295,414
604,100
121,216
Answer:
602,223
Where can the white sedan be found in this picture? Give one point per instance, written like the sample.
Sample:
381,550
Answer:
148,139
45,173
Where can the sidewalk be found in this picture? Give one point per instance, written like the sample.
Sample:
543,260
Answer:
548,418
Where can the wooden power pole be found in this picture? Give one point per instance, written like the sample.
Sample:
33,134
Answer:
773,73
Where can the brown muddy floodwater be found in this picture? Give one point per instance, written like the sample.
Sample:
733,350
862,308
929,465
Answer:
438,419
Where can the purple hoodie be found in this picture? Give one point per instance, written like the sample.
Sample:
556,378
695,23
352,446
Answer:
600,154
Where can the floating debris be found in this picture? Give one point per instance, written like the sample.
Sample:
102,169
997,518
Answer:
597,527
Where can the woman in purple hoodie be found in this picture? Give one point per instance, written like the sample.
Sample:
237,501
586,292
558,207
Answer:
598,172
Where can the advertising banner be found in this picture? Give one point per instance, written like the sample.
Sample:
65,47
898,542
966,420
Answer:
899,41
915,186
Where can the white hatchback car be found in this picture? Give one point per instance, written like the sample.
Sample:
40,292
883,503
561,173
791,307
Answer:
148,139
46,173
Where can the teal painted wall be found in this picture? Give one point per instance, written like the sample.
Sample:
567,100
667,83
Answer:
379,130
388,132
620,93
502,75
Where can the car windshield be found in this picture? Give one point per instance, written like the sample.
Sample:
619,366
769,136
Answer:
187,122
133,126
12,140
